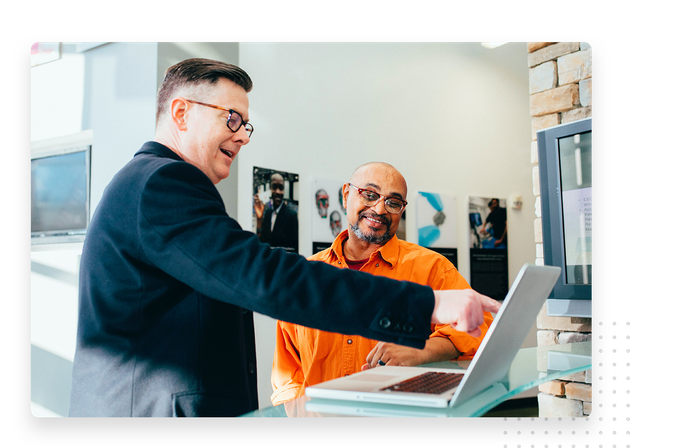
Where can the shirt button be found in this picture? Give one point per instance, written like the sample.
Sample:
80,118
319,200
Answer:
376,265
349,341
251,368
408,328
384,322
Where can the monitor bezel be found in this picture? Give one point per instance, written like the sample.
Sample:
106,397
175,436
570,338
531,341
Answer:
42,150
552,212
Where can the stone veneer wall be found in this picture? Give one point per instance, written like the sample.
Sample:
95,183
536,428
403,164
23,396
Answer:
560,92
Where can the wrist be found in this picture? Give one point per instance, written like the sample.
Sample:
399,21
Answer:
438,349
433,317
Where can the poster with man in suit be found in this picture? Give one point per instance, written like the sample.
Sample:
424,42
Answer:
274,208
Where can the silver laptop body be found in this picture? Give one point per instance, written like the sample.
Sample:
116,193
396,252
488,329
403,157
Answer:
490,363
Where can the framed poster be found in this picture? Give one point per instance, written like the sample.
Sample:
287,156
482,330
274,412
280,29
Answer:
488,242
328,216
275,208
437,223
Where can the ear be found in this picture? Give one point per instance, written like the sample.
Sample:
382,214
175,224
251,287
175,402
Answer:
178,113
346,190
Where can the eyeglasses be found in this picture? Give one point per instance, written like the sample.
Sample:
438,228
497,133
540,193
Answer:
234,121
370,198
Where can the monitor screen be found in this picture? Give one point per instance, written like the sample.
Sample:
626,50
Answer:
575,169
566,203
60,194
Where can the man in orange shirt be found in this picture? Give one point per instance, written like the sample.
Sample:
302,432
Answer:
375,199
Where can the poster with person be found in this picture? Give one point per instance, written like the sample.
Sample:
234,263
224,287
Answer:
328,216
275,208
488,243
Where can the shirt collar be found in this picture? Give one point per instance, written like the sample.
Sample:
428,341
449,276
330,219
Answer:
389,252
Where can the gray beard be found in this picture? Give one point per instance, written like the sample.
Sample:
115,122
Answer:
371,238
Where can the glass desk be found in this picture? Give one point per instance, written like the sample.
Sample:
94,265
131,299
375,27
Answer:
530,368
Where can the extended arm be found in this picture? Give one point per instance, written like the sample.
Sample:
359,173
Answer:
468,331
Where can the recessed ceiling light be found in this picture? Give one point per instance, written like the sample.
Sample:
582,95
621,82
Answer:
492,44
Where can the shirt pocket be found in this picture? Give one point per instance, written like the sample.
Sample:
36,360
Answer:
314,344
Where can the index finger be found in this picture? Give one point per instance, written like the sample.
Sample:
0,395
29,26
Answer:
489,304
371,355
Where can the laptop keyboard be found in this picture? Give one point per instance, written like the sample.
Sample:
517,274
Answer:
428,383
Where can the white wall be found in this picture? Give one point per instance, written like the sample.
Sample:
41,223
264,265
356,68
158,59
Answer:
453,118
109,90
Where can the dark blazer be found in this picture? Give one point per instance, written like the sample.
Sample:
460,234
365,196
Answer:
167,280
286,231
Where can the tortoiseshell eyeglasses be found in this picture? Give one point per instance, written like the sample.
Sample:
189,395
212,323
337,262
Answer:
234,121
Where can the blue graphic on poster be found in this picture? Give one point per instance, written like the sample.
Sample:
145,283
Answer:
437,223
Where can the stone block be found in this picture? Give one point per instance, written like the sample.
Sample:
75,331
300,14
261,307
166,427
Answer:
539,248
555,100
534,154
552,52
543,122
536,180
552,406
584,46
584,92
579,377
574,67
544,322
546,337
576,114
566,337
578,391
587,407
555,387
543,77
538,212
534,46
538,230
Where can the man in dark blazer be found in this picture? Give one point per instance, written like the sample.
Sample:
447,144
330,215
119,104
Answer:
168,280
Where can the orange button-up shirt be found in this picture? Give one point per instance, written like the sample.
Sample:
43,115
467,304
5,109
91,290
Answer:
307,356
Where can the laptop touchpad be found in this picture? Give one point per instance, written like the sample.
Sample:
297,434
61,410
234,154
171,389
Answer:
377,378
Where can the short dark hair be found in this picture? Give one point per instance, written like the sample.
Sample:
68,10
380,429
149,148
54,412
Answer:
198,71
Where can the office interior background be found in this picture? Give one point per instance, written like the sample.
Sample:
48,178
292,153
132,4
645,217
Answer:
454,118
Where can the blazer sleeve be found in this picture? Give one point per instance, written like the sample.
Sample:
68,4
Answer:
186,233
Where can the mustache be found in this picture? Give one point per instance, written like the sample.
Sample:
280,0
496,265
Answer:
381,218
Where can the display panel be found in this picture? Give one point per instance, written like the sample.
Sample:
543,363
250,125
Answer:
577,202
566,202
60,193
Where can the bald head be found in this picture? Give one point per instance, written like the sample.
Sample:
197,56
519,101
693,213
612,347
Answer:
370,224
379,174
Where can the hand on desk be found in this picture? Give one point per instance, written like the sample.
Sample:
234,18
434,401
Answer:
436,349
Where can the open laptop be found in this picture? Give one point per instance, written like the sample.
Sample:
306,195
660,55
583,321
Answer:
512,323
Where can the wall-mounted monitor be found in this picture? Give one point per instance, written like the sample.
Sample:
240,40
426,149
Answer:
566,203
60,194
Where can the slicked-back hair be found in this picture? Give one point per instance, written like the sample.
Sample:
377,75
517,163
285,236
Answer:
198,71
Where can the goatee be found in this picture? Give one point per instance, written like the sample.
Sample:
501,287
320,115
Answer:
371,237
